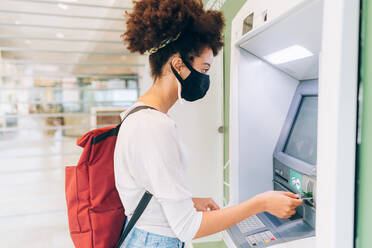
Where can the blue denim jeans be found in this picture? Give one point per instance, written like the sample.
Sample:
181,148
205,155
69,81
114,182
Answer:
138,238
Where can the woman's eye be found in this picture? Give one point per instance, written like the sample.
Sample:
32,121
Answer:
205,70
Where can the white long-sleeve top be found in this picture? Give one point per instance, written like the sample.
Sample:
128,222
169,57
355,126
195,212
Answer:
149,155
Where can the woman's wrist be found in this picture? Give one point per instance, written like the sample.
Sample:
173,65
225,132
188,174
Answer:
260,203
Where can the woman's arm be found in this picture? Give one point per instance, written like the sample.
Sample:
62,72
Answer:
280,204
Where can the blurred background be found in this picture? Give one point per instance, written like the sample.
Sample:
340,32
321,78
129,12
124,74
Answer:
63,71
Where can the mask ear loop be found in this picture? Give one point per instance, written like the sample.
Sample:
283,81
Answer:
179,86
180,99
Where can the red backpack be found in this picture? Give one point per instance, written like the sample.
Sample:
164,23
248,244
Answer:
95,212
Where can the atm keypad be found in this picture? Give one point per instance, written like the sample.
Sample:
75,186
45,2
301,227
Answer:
261,239
250,224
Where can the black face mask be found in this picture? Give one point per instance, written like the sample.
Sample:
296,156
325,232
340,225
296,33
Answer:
195,86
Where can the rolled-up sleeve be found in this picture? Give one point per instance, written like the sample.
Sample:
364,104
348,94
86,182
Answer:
165,177
183,218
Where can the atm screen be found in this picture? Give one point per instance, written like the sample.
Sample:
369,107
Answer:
302,140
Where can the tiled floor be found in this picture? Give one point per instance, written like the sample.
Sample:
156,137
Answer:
32,201
220,244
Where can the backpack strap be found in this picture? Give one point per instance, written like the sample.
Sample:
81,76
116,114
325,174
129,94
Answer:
136,215
145,198
136,109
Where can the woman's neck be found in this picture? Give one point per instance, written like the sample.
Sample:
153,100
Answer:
162,95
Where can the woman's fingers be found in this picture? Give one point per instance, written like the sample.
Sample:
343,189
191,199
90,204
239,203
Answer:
204,208
291,195
205,204
289,215
212,205
295,203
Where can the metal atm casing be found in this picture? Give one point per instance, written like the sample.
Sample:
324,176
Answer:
284,163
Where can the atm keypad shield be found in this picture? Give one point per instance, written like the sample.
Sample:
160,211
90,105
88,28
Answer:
250,224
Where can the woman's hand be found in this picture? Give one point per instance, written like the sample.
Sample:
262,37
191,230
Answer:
205,204
279,203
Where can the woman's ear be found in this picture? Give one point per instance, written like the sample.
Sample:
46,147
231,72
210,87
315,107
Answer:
180,67
177,64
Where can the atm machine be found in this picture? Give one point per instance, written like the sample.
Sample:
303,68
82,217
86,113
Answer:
279,123
294,170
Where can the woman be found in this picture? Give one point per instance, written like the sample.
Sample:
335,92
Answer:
182,40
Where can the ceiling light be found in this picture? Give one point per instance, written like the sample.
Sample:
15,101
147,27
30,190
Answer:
291,53
62,6
27,42
60,35
17,22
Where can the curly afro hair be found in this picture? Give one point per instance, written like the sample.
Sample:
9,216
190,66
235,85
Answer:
153,21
